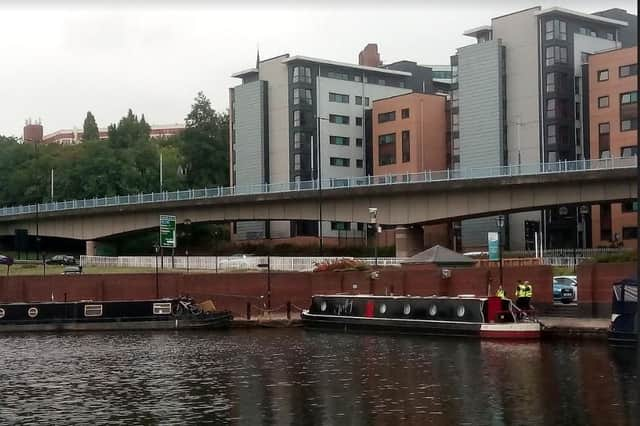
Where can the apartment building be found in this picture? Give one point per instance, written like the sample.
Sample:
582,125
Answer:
612,101
297,118
409,136
517,99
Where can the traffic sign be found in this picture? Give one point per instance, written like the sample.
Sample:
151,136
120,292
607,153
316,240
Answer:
494,247
167,231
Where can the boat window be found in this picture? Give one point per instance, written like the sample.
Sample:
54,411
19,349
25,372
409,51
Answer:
433,310
32,312
92,310
407,309
323,306
162,308
383,308
460,311
1,313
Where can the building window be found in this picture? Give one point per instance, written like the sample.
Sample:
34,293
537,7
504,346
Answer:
298,118
584,57
382,82
302,96
629,233
628,70
628,151
338,119
551,135
302,75
358,100
405,113
296,162
604,140
358,141
603,75
358,121
359,164
627,207
629,111
339,162
587,31
340,226
551,82
609,36
386,116
556,55
366,101
406,146
552,156
387,149
297,140
603,102
340,98
556,29
357,78
339,140
338,75
551,108
577,111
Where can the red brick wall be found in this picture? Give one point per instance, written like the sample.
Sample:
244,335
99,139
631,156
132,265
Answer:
594,286
233,291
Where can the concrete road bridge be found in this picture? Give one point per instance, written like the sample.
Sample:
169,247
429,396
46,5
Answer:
402,199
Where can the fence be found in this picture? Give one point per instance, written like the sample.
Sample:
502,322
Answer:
325,184
224,263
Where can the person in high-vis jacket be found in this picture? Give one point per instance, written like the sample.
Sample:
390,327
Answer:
524,293
500,292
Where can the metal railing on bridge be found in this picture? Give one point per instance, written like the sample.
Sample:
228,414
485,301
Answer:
328,184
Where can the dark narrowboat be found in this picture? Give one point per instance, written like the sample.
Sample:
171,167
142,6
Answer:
157,314
624,313
486,317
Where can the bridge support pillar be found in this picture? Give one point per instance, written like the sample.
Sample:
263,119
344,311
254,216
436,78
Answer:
409,241
90,248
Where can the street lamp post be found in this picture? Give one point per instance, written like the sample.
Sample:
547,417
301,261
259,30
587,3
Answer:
500,225
216,235
156,248
319,176
373,219
187,225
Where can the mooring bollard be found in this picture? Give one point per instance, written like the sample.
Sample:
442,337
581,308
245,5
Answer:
288,310
248,310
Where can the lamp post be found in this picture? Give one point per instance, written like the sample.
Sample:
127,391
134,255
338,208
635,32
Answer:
319,176
216,235
500,225
187,226
156,248
373,219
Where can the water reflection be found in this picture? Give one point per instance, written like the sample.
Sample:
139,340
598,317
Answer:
292,377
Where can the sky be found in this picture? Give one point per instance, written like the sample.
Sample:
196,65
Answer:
60,59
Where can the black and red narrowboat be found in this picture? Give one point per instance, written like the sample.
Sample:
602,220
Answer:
155,314
485,317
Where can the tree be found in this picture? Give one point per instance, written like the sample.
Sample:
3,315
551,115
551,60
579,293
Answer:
90,128
205,145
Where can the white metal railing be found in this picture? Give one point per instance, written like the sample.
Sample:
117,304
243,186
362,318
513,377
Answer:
332,183
225,263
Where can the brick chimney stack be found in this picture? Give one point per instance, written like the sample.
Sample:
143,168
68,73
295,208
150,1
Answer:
369,56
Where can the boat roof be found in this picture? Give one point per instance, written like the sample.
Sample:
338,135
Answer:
61,302
400,297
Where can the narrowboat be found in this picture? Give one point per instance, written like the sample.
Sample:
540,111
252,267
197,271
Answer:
485,317
155,314
624,313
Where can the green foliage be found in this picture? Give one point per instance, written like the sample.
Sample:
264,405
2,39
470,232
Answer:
620,257
205,145
90,129
126,163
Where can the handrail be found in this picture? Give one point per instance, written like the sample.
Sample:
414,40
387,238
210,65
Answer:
331,183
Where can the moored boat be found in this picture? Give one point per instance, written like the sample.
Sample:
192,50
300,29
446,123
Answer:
485,317
624,313
155,314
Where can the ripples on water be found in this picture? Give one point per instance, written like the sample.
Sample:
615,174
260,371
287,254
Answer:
292,377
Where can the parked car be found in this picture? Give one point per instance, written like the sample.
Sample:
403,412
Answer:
61,259
6,260
565,288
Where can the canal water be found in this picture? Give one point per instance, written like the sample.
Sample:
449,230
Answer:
299,377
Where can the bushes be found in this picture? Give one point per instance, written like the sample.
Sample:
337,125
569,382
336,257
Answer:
623,256
341,265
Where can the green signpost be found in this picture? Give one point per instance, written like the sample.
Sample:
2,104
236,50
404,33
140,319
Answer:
167,231
494,246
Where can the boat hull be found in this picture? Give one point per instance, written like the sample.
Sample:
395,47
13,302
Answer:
426,327
162,314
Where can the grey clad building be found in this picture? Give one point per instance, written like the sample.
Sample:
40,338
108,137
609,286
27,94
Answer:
517,99
296,118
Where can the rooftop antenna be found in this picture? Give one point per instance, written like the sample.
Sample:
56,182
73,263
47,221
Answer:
257,55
